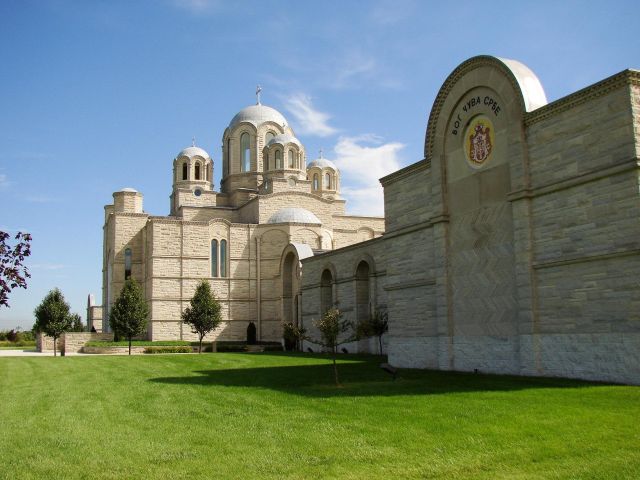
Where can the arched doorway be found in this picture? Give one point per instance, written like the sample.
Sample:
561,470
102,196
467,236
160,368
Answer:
363,296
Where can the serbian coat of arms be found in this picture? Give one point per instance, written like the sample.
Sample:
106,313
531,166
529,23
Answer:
479,143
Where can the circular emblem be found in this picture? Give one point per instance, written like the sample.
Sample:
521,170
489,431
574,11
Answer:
479,141
197,192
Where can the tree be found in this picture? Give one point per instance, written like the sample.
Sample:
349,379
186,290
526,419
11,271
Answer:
293,336
128,317
13,272
333,331
76,323
52,316
376,326
204,314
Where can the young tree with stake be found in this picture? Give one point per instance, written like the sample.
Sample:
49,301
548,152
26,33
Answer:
128,317
204,313
334,331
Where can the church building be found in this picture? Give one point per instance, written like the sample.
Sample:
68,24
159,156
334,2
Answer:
247,240
512,247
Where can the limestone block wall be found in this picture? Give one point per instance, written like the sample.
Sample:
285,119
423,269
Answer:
94,317
405,196
343,264
74,341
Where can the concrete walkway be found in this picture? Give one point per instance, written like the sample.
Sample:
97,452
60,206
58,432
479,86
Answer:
23,353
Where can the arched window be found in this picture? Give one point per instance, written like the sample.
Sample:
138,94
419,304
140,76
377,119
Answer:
127,263
246,152
315,181
268,137
185,171
223,258
278,159
227,156
197,171
214,258
291,162
327,181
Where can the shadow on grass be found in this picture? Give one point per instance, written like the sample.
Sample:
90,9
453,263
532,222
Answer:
361,376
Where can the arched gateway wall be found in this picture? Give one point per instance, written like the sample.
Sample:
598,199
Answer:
514,246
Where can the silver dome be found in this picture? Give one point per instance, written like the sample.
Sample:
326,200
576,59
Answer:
322,163
193,152
257,115
294,215
283,139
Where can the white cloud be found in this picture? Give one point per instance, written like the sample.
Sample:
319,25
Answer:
392,12
197,6
47,266
353,66
41,199
362,161
310,120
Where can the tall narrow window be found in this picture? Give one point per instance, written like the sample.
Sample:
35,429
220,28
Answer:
291,164
266,161
223,258
278,159
185,171
246,152
214,258
315,181
127,264
226,158
327,181
197,171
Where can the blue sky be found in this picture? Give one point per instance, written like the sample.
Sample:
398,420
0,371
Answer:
100,95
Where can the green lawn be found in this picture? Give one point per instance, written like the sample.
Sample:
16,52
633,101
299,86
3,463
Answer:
253,416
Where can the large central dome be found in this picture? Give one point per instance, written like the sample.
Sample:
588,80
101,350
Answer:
258,114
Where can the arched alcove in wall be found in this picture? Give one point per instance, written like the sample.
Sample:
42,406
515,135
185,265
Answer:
363,292
326,290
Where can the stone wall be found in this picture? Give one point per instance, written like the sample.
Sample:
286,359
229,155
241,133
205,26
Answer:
70,342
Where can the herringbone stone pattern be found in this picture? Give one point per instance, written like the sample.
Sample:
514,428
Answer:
482,272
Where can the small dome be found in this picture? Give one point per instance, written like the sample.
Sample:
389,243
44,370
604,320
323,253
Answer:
283,139
193,152
294,215
322,163
129,189
257,115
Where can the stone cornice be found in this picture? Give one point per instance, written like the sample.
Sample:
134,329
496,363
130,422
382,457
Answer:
598,89
405,172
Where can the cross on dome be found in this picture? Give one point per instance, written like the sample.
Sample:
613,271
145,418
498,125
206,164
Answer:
193,141
258,91
321,152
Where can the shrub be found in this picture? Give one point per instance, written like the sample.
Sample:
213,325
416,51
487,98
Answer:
138,343
169,349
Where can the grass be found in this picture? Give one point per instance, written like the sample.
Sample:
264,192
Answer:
279,416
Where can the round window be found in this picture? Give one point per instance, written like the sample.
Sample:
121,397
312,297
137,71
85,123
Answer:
197,192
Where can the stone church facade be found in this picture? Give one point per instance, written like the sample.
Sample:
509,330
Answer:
513,247
247,240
